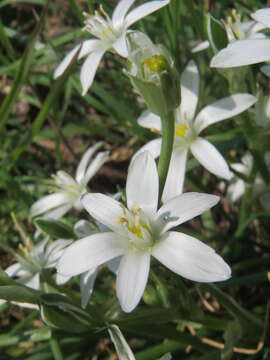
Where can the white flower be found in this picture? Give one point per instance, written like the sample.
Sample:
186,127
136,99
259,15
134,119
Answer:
237,30
142,230
237,187
69,190
246,52
110,34
34,259
188,127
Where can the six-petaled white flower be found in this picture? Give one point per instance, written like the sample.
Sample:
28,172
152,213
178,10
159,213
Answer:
188,127
33,259
69,190
249,51
142,230
110,34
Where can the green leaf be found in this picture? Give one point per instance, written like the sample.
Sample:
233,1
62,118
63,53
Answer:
232,335
216,33
19,293
122,348
55,228
63,313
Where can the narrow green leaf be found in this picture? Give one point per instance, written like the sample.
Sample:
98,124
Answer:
55,228
19,293
122,348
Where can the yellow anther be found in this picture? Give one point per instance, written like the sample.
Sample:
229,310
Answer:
181,130
156,63
122,220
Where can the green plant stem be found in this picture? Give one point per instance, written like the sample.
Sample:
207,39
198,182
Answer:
167,121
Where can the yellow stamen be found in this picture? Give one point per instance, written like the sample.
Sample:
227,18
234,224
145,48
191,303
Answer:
181,130
156,63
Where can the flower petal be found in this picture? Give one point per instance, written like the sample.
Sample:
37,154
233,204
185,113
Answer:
65,62
16,270
85,160
176,174
242,52
201,46
89,69
190,84
142,183
144,10
150,120
33,282
185,207
48,203
190,258
87,281
104,209
58,212
262,16
89,46
210,158
95,165
223,109
89,252
153,147
235,190
61,279
120,11
120,45
132,278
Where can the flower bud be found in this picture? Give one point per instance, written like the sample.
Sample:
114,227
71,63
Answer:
153,74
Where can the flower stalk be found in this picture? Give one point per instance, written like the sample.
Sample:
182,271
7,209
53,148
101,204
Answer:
168,122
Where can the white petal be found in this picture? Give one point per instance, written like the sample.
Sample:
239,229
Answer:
33,282
201,46
242,52
89,46
86,158
14,270
95,165
120,11
190,84
89,252
87,281
55,250
223,109
266,70
150,120
122,348
104,209
185,207
83,228
153,147
176,174
61,279
190,258
144,10
262,16
235,190
142,183
89,69
210,158
132,278
58,212
241,168
113,264
120,45
65,62
48,203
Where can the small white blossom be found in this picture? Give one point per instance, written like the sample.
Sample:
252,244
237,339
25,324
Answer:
188,127
69,190
110,34
33,259
237,30
248,51
142,230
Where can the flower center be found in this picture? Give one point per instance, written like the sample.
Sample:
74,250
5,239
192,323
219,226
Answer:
100,25
138,230
156,63
181,130
67,184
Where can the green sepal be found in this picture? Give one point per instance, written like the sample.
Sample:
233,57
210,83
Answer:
55,229
216,33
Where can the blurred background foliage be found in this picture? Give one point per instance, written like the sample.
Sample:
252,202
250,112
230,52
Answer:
46,125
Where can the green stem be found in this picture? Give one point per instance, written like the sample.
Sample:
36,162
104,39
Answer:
55,348
167,121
